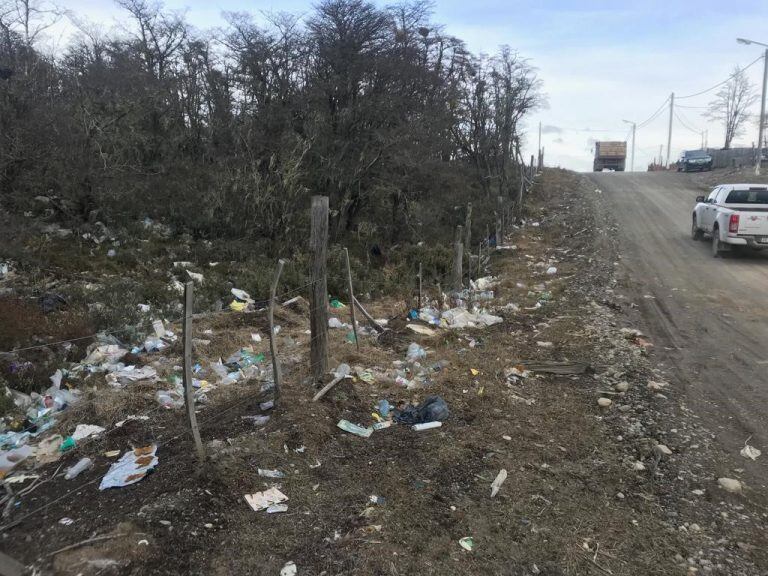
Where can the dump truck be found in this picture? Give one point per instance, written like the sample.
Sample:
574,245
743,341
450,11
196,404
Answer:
610,156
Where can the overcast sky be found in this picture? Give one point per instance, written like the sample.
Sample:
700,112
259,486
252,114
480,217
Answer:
600,61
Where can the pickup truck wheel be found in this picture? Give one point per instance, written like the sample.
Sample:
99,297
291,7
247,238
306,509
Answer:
717,249
696,232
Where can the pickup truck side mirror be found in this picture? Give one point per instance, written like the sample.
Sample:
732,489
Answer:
700,199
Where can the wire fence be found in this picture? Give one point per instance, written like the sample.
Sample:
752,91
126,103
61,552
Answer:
208,414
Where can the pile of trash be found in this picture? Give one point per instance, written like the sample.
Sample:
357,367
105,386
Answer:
429,414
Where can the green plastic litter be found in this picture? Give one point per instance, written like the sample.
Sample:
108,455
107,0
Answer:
248,358
336,304
68,444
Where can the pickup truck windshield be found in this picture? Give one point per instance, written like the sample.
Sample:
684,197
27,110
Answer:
696,154
759,196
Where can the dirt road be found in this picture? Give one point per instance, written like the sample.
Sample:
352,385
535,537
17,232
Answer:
709,316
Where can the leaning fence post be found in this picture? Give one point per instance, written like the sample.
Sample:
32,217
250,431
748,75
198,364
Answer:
458,257
189,394
318,304
277,372
351,298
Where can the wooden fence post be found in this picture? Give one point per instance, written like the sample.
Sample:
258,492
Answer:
318,304
520,196
189,393
277,373
501,224
479,267
351,298
468,238
419,285
458,257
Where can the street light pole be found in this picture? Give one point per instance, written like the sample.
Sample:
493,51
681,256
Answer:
632,157
762,102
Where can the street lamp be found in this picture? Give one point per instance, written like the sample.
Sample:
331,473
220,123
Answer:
632,161
762,102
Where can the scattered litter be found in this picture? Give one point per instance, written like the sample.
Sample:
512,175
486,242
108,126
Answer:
112,453
82,465
268,405
131,417
132,467
67,444
20,478
432,409
426,426
348,426
66,521
750,452
11,458
415,352
263,500
336,304
277,508
421,329
541,344
256,337
288,570
236,306
83,431
334,322
457,318
662,450
468,543
365,375
129,374
264,473
47,450
551,271
257,420
195,277
496,484
730,485
241,295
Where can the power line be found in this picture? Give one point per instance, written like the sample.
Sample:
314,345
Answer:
685,125
653,116
724,81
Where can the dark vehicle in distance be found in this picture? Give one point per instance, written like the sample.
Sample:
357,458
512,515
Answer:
692,160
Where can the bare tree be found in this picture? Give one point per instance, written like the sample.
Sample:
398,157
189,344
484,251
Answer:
731,105
29,18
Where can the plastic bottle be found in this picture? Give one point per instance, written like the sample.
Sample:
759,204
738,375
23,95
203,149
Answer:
82,465
415,352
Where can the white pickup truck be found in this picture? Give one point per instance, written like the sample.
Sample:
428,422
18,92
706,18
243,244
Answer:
732,215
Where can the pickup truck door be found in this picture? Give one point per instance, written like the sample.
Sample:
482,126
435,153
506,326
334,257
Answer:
709,211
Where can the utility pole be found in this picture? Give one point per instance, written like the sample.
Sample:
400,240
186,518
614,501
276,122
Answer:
669,133
661,157
762,115
762,102
538,151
